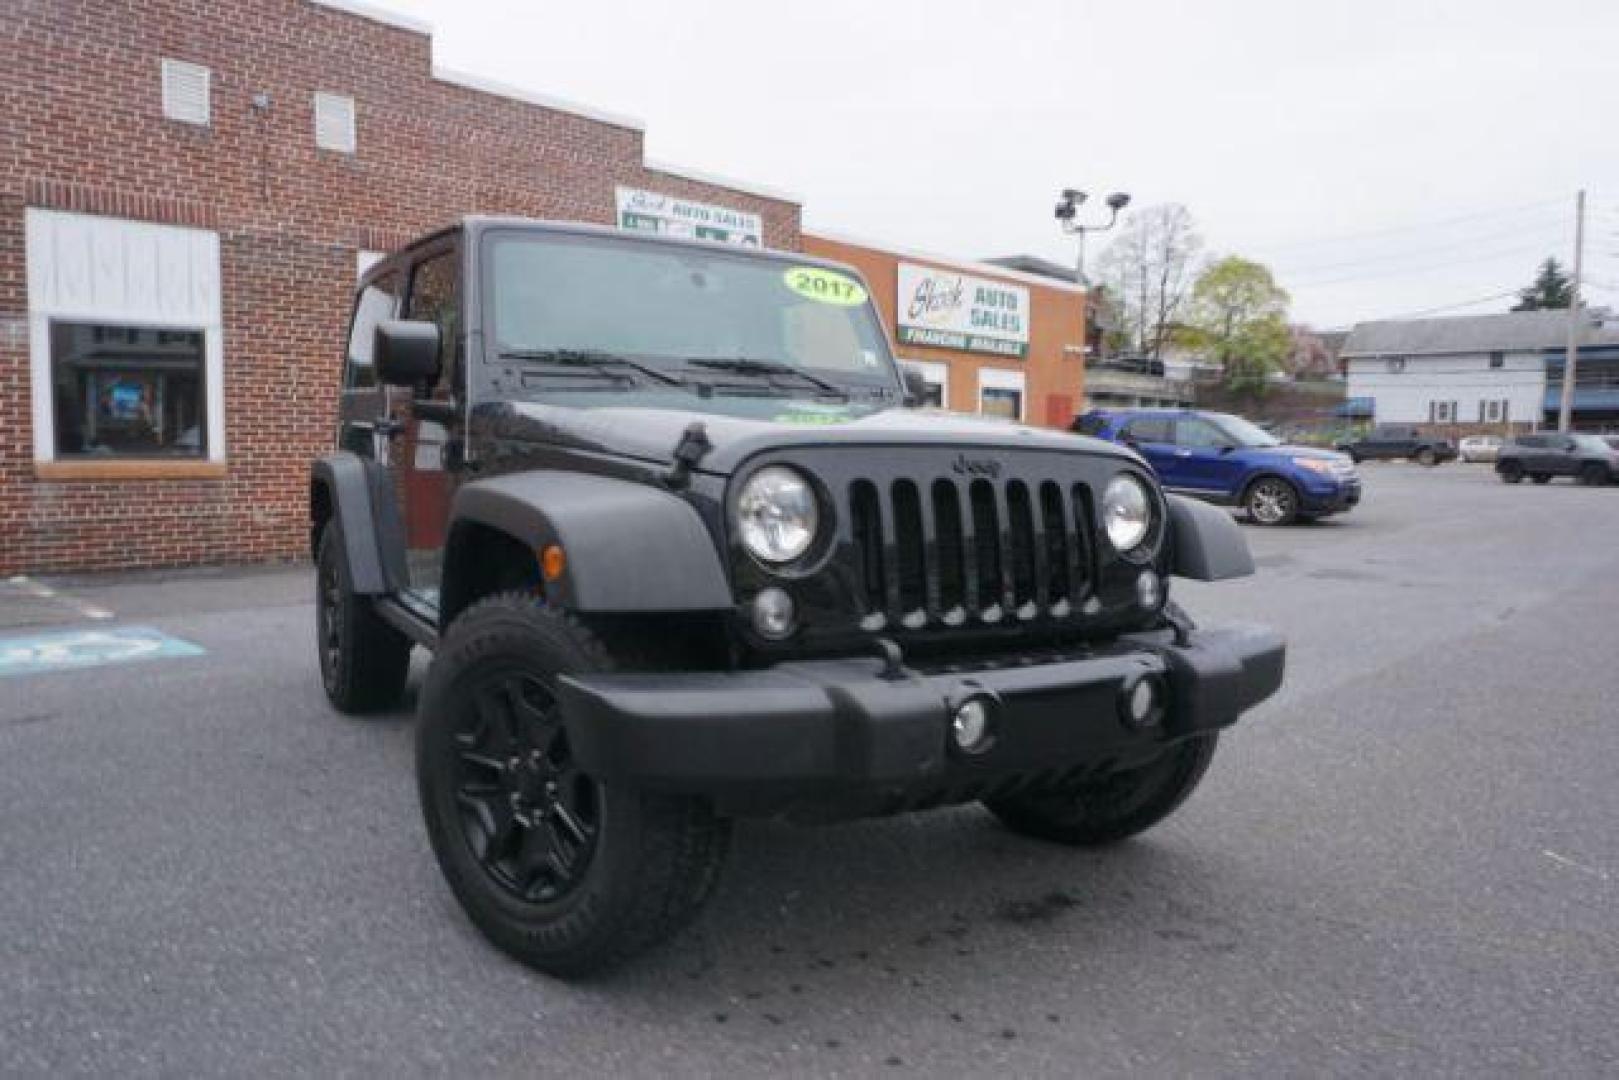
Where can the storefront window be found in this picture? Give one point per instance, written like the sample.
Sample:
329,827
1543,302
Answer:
123,391
1000,401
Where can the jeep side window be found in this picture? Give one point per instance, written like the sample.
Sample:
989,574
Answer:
435,296
377,301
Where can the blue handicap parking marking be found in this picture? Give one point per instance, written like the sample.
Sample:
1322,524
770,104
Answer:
66,650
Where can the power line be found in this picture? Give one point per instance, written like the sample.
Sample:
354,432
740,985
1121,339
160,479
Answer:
1460,244
1415,227
1415,271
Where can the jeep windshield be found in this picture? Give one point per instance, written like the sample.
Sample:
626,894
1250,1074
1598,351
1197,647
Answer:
586,315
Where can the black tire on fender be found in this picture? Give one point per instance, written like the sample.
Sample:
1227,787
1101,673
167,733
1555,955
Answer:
1113,808
364,662
561,871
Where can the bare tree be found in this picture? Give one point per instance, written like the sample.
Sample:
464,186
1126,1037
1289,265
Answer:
1149,270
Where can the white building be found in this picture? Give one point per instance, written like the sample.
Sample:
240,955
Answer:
1485,370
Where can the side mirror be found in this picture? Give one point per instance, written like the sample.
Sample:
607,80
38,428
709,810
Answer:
916,388
406,352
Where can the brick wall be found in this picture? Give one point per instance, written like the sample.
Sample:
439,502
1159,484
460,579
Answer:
82,128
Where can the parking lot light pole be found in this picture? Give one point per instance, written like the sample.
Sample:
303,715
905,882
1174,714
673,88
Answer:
1068,214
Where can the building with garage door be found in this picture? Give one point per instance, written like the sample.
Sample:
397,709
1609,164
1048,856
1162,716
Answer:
988,339
187,189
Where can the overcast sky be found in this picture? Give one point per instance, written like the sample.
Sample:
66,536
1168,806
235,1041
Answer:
1340,143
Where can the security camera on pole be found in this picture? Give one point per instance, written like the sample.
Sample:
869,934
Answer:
1068,214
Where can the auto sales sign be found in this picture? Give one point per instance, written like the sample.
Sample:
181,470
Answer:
948,310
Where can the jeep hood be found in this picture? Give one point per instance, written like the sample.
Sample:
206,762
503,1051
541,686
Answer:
649,432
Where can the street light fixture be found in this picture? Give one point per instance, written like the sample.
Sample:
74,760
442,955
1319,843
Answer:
1068,213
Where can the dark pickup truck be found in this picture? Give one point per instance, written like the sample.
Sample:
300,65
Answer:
1392,441
683,553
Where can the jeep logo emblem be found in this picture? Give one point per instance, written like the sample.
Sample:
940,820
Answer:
967,466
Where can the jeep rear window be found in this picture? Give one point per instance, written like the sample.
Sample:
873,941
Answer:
669,305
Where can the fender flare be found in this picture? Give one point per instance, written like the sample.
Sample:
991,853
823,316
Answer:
357,494
629,547
1205,544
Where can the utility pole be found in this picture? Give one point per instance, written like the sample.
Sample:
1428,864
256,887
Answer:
1565,409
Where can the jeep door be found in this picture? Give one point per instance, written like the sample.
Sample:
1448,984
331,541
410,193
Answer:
1206,458
427,420
1154,437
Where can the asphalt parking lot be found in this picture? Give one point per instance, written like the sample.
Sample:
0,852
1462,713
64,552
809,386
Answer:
1406,862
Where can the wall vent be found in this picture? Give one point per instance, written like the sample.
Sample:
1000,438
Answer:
334,122
185,92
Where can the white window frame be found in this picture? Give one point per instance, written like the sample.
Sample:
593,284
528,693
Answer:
934,373
993,378
180,69
324,105
50,301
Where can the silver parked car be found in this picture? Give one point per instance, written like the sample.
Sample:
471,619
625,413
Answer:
1480,447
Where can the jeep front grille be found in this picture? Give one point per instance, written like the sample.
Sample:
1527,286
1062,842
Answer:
949,551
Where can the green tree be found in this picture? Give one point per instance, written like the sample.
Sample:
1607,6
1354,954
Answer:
1551,289
1240,312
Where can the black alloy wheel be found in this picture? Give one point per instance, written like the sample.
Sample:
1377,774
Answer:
560,869
1111,808
364,662
527,812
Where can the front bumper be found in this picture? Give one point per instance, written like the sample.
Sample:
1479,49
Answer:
1331,498
841,738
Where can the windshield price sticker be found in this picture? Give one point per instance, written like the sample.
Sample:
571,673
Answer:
825,286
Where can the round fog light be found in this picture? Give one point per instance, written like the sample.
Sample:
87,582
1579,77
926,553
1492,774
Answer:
773,614
970,726
1149,590
1141,702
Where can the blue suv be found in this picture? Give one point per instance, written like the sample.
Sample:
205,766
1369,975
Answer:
1227,460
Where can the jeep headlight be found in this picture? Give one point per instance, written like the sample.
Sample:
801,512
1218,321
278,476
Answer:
1126,512
776,514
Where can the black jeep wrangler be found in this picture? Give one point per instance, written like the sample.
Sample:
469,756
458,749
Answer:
683,555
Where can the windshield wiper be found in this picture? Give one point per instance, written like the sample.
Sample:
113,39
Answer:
593,359
746,366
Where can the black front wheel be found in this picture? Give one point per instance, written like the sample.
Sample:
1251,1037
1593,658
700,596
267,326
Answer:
562,871
1112,808
1593,475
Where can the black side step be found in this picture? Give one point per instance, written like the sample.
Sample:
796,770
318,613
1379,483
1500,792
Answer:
412,620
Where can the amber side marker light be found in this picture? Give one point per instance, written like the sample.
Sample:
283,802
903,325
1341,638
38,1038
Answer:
553,562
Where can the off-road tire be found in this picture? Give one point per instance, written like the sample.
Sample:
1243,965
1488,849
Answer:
1271,501
1427,458
1593,475
653,859
1510,472
364,662
1115,808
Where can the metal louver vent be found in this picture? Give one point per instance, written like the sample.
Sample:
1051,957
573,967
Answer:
334,122
185,92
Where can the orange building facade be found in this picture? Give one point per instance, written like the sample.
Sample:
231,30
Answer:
987,339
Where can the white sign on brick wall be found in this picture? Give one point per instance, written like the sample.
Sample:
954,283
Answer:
669,215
